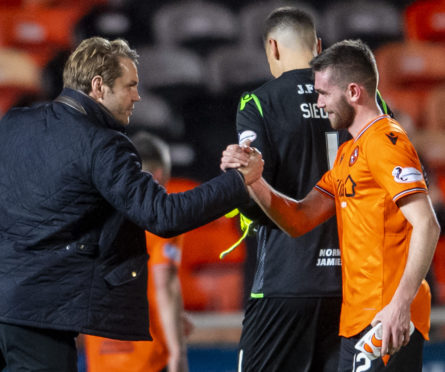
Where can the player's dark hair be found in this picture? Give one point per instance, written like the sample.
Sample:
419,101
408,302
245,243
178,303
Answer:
351,61
294,18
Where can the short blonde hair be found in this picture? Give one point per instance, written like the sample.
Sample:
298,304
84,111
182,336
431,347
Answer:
96,56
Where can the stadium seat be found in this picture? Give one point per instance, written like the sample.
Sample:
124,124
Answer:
375,22
235,69
176,74
425,20
435,109
198,25
438,264
103,21
12,96
52,74
40,31
408,71
231,71
19,78
11,3
154,114
208,283
253,15
430,140
17,68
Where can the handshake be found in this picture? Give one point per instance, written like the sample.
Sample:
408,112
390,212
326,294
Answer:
245,159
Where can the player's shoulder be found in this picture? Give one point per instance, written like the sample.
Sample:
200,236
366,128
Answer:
388,127
385,135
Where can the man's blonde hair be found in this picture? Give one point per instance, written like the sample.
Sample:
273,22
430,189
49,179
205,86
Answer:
96,56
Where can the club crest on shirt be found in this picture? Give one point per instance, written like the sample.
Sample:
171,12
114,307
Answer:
354,157
406,175
247,135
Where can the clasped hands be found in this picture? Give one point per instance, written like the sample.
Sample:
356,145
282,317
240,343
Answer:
246,159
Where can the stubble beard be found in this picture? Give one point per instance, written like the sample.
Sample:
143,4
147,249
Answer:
344,115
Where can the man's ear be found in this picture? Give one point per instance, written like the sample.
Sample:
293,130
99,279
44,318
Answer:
354,92
274,49
319,45
97,88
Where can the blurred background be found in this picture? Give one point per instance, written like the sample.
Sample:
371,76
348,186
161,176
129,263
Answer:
197,57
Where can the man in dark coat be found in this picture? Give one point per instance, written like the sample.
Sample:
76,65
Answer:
74,204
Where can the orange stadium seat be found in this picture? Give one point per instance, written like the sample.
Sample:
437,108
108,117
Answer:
209,283
425,20
19,76
40,31
430,141
438,264
408,71
11,95
17,68
435,109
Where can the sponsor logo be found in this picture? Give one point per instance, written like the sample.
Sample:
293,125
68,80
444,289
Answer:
347,187
406,175
329,257
392,137
354,157
247,135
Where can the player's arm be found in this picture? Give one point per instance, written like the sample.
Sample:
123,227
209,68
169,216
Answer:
171,312
395,317
295,217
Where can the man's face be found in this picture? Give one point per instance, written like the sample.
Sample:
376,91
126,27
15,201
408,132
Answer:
121,97
332,99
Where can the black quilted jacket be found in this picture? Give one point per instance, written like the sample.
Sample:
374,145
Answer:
73,207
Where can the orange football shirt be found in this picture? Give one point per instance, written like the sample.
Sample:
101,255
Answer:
138,356
370,174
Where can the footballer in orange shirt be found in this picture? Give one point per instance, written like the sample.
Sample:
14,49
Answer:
139,356
387,227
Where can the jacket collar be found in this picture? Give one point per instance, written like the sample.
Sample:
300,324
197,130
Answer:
95,111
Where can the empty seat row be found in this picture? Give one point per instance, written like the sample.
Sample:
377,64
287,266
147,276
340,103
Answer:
204,25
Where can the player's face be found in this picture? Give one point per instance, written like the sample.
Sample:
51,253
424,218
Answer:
333,100
121,97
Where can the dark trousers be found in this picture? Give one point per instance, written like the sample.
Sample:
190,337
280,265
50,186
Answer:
290,335
26,349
